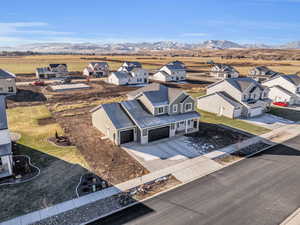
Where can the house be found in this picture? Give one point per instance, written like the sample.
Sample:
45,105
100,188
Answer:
96,69
52,71
129,74
128,66
284,88
261,73
173,71
235,98
224,71
151,113
7,83
6,162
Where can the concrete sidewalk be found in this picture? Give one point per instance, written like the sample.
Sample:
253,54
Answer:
293,219
185,172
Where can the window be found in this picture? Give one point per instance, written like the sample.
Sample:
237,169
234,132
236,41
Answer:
160,110
175,108
188,107
10,89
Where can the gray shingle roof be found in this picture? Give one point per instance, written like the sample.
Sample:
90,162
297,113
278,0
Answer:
102,64
6,75
43,70
121,75
56,65
117,115
175,67
224,67
144,119
242,83
3,118
295,79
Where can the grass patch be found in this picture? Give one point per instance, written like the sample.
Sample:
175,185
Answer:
197,92
285,113
24,120
250,128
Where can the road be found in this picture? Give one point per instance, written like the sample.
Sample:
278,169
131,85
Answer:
262,190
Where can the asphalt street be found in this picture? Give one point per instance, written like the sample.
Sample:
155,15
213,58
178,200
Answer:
261,190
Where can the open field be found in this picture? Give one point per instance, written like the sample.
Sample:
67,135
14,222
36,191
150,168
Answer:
76,63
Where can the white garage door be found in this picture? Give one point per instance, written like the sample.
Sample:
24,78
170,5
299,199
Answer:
256,112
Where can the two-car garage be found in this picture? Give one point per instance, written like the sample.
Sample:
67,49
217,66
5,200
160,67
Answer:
158,133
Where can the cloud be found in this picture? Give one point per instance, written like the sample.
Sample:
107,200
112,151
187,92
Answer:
194,34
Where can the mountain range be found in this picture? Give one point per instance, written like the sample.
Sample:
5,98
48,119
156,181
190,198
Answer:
142,46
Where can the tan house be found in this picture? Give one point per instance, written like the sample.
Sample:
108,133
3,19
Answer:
7,83
151,113
236,98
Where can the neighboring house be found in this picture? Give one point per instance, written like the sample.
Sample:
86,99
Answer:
6,162
151,113
96,69
284,88
261,73
173,71
52,71
7,83
128,66
235,98
129,73
224,71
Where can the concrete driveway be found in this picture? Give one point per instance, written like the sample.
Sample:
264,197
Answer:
269,121
167,152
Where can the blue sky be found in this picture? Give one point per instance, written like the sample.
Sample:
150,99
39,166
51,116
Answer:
243,21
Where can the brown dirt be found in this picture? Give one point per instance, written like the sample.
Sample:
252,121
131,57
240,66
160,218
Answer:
46,121
105,159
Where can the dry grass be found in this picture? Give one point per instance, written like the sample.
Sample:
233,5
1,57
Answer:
24,120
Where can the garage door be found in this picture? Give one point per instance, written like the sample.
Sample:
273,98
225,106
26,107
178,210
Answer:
159,133
126,136
256,112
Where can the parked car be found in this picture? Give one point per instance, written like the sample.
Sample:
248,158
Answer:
282,104
38,83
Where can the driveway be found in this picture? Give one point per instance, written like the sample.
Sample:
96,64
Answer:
269,121
167,152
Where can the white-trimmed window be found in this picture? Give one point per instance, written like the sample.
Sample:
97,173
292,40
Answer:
188,107
175,108
160,110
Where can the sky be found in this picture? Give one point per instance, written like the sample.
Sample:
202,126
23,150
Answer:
189,21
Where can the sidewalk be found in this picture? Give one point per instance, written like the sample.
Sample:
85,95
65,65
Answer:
293,219
185,172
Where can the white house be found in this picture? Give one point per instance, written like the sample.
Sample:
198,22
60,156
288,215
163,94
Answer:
96,69
261,73
7,83
173,71
224,71
52,71
134,76
236,98
284,88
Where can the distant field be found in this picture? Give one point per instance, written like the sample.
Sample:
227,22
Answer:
27,64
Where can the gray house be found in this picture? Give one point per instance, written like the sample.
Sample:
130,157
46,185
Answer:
6,162
7,83
261,73
150,113
235,98
224,71
172,71
52,71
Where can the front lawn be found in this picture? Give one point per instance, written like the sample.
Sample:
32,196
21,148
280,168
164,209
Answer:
250,128
286,113
24,120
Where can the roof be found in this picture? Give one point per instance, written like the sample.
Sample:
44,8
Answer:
176,66
121,75
224,67
43,70
3,118
116,114
56,65
5,143
266,70
242,83
133,64
6,75
283,90
144,119
295,79
99,63
224,96
157,94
